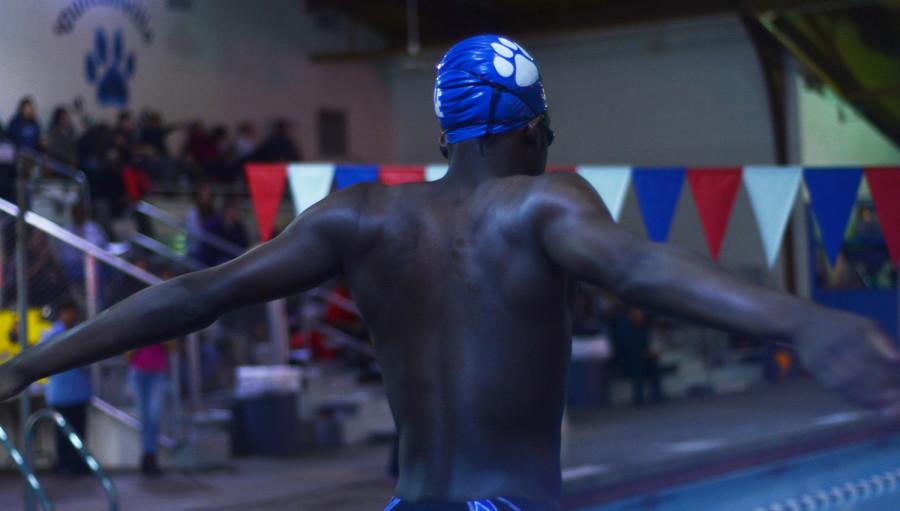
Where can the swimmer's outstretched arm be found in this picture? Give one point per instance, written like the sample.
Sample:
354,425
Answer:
845,351
306,254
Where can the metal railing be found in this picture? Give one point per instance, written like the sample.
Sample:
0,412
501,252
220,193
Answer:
34,486
60,423
338,337
147,209
93,275
92,252
45,162
163,251
93,255
128,420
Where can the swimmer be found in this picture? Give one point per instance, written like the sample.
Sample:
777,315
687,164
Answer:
465,284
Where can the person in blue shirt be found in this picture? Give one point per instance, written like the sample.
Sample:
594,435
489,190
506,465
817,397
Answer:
23,128
69,393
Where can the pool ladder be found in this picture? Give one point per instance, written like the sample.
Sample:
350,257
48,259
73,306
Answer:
33,489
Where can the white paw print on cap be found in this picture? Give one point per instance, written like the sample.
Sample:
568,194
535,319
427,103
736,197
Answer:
510,58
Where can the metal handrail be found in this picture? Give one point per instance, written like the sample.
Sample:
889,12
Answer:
128,420
163,250
60,422
171,220
54,165
49,227
344,338
25,469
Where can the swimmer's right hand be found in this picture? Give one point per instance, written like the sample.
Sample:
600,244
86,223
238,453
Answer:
11,382
852,355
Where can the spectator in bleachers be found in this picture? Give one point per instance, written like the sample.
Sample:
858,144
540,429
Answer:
89,147
245,142
46,278
108,188
278,146
154,133
220,166
125,132
7,168
81,225
198,151
197,218
227,226
69,393
62,141
153,145
23,128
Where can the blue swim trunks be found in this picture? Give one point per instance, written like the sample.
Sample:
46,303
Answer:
494,504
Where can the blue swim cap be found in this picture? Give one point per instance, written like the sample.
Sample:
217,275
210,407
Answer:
486,84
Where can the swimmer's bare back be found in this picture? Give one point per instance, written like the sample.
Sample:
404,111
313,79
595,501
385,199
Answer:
464,284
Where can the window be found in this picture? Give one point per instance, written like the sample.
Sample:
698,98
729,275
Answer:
332,133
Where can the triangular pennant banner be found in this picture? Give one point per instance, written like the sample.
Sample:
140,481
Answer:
772,191
310,183
399,174
266,183
349,175
714,192
657,192
832,192
435,171
884,183
611,183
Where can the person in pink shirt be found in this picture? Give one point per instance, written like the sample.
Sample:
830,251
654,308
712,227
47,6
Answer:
149,368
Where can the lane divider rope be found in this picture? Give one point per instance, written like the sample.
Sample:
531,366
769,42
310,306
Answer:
840,495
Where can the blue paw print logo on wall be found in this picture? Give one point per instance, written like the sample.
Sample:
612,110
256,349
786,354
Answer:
109,69
510,58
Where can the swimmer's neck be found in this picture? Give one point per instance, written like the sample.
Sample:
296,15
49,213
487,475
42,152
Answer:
474,163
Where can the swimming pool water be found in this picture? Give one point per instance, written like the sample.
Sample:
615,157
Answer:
759,488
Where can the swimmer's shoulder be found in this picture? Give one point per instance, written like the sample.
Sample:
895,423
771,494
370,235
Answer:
548,195
548,190
354,214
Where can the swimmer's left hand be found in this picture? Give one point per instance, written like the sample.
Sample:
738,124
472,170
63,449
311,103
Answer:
852,355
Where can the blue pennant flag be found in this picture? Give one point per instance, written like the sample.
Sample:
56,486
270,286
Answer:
657,192
832,192
349,175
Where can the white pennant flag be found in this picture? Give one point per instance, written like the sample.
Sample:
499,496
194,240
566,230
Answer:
435,171
772,192
310,183
611,183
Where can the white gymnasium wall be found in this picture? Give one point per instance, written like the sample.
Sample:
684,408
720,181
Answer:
687,92
219,60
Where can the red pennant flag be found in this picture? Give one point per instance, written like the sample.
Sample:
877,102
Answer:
714,192
884,183
399,174
561,168
266,182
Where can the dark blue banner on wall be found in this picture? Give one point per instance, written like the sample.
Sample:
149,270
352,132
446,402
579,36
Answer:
658,190
832,192
349,175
